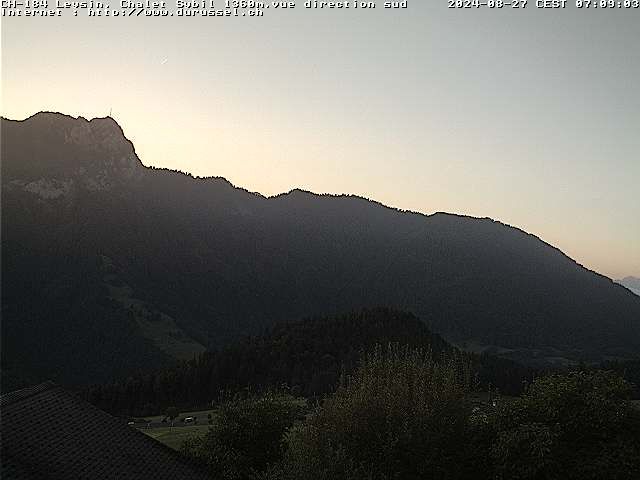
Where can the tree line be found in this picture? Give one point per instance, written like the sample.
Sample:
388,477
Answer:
402,415
307,356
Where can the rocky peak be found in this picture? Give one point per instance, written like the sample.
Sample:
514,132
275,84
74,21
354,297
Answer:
49,153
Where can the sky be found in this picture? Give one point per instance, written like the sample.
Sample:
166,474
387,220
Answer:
530,117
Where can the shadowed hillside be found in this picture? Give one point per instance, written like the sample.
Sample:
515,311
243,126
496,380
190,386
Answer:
110,267
308,356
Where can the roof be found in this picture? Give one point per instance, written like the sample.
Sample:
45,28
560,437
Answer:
48,433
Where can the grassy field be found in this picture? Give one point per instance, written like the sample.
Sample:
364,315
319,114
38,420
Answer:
175,437
202,416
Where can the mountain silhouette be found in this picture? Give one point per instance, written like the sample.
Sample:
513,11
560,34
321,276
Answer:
632,283
111,267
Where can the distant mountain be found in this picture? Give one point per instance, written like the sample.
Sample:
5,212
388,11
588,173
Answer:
111,267
632,283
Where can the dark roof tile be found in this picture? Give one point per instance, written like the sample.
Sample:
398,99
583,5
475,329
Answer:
49,434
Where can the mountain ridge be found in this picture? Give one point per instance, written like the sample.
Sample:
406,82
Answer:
298,189
161,261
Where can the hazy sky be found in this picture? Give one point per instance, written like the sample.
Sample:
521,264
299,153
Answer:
531,117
